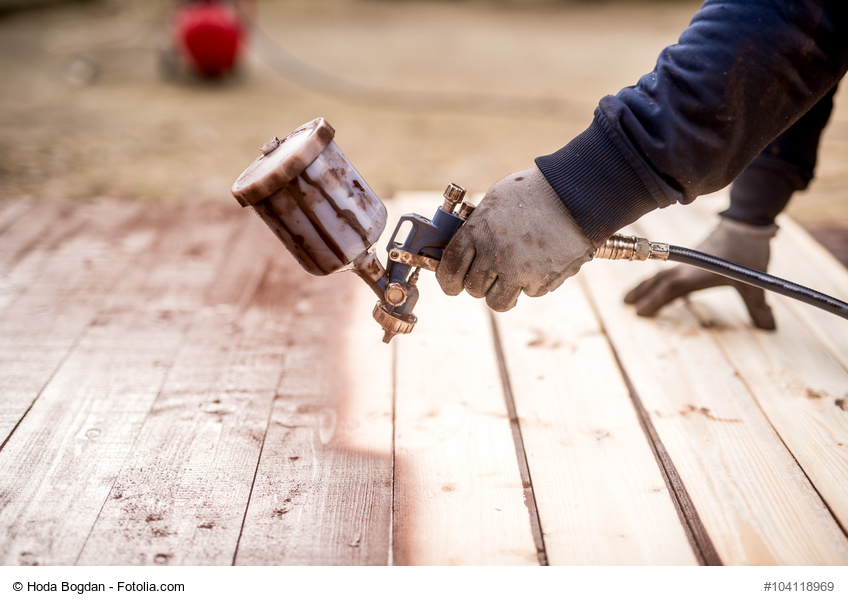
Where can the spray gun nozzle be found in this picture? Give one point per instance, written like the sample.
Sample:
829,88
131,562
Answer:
393,323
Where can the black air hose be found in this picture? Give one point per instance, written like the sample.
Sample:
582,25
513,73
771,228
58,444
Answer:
639,249
760,279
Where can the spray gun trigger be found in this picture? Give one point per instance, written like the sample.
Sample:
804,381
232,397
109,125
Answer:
412,260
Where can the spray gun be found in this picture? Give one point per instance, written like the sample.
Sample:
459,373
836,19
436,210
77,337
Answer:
314,200
422,248
320,207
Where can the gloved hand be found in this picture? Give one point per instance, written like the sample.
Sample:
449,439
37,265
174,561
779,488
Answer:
735,241
520,238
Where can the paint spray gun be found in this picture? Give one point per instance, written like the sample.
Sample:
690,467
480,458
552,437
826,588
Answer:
320,207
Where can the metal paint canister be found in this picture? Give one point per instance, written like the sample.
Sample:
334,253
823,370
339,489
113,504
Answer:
314,200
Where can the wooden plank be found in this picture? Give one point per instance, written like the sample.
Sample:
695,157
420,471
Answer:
323,488
31,234
57,262
61,461
459,497
11,211
601,496
798,373
752,496
801,388
181,495
800,258
832,238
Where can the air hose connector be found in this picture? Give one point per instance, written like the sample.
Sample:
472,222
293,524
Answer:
631,248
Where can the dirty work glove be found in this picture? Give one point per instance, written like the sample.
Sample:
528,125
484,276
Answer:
735,241
520,238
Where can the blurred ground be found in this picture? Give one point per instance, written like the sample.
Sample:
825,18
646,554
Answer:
420,94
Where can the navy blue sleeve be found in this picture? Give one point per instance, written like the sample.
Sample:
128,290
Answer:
785,166
741,74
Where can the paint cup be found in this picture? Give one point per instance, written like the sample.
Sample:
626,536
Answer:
314,200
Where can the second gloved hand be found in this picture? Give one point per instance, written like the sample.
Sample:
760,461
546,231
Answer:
732,240
520,238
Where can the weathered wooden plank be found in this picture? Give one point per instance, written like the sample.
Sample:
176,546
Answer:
752,496
181,495
24,225
61,461
459,497
57,263
601,496
11,211
323,488
31,235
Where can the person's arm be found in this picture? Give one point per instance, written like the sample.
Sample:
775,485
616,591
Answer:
743,235
785,166
742,72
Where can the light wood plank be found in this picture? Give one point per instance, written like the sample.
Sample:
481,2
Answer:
61,461
801,388
601,496
323,488
798,373
754,500
459,497
800,258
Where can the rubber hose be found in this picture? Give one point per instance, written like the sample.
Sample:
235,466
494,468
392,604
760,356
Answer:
759,279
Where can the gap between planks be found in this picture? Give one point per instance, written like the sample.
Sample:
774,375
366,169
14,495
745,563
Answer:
697,534
757,482
70,446
520,452
459,497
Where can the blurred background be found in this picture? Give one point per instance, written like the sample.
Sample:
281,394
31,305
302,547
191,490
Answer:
420,93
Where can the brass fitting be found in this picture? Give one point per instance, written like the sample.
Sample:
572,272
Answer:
631,248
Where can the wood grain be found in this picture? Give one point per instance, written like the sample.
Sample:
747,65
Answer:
323,488
756,502
601,497
802,259
60,463
176,390
181,494
459,498
56,264
798,373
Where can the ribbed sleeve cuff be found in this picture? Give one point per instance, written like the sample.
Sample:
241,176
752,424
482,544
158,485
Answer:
595,181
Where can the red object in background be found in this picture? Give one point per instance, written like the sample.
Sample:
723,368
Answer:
210,36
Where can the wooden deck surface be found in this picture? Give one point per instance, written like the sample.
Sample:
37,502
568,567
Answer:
174,389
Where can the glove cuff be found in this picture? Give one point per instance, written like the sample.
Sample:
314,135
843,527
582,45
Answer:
542,188
747,231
